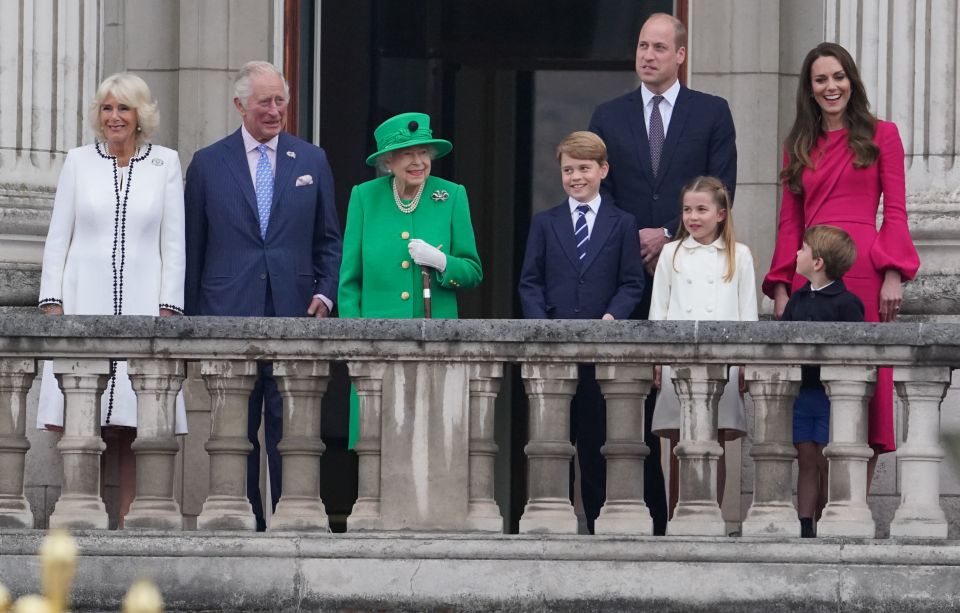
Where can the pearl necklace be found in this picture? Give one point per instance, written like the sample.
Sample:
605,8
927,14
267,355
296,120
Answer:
407,208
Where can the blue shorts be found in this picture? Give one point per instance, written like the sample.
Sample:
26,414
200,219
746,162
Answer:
811,416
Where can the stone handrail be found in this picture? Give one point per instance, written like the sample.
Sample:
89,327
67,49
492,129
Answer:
426,391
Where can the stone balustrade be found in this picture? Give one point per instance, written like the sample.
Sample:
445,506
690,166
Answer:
426,390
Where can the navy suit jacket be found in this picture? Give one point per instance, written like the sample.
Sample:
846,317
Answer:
700,140
555,285
228,264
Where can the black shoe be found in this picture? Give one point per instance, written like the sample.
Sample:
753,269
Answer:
807,528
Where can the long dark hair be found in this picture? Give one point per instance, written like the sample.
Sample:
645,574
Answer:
807,128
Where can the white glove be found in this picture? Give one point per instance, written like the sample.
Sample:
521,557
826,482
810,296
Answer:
427,255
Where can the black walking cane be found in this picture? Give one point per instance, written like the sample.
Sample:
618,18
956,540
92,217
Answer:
425,275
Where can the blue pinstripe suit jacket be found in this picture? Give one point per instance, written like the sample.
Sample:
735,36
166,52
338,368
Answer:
228,264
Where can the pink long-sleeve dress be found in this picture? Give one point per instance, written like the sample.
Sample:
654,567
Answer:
838,194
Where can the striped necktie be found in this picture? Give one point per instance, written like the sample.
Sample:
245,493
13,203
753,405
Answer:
581,232
264,188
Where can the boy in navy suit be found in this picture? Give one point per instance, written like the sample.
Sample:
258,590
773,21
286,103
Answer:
583,262
826,255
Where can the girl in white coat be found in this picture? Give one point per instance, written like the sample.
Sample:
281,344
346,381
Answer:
704,274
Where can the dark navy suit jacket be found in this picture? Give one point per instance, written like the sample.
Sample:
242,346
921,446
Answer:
700,140
554,284
228,264
832,303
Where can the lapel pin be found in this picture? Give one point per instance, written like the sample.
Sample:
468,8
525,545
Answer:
291,154
156,162
440,195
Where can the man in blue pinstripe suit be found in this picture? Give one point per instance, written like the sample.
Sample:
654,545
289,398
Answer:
263,238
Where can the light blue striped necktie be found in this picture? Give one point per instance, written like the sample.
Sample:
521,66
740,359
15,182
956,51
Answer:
581,232
264,187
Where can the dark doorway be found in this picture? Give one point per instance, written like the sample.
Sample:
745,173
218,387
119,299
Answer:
504,81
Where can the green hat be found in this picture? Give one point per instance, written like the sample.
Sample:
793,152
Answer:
406,130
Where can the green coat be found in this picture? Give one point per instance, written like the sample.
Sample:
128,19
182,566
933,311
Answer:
378,278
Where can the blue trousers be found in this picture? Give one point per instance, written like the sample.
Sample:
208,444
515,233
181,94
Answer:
588,431
266,404
265,401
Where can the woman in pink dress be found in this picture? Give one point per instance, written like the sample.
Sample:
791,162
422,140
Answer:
838,161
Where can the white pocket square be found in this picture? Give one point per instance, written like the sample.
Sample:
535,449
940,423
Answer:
304,180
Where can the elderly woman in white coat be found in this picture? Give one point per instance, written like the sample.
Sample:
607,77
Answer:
115,246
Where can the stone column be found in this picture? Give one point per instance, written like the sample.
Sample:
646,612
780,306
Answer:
625,388
156,383
921,389
550,388
302,384
699,387
773,389
16,376
367,378
847,514
48,73
910,65
229,383
80,506
483,513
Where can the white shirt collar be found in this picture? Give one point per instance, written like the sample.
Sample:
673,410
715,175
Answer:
250,143
823,287
691,243
669,96
593,204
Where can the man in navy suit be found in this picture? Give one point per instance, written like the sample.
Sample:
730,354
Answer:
583,262
262,237
659,137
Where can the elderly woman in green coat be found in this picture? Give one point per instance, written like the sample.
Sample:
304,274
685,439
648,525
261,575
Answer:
400,223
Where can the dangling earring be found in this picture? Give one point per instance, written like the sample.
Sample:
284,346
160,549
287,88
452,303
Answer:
139,129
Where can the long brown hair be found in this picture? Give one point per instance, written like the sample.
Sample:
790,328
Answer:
713,187
807,128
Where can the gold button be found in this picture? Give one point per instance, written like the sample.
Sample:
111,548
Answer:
405,264
404,235
405,296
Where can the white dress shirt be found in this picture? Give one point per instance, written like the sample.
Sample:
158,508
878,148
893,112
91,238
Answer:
591,215
250,145
666,105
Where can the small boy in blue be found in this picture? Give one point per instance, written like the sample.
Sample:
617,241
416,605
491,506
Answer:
827,254
583,262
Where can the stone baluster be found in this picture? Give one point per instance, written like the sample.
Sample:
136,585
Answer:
922,390
699,387
302,384
80,506
229,383
483,513
625,388
550,388
847,514
16,376
367,378
773,389
156,383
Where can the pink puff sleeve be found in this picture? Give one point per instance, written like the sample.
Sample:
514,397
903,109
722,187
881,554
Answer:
789,239
893,248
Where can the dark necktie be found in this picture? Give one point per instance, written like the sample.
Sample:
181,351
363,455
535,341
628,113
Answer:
656,135
581,232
